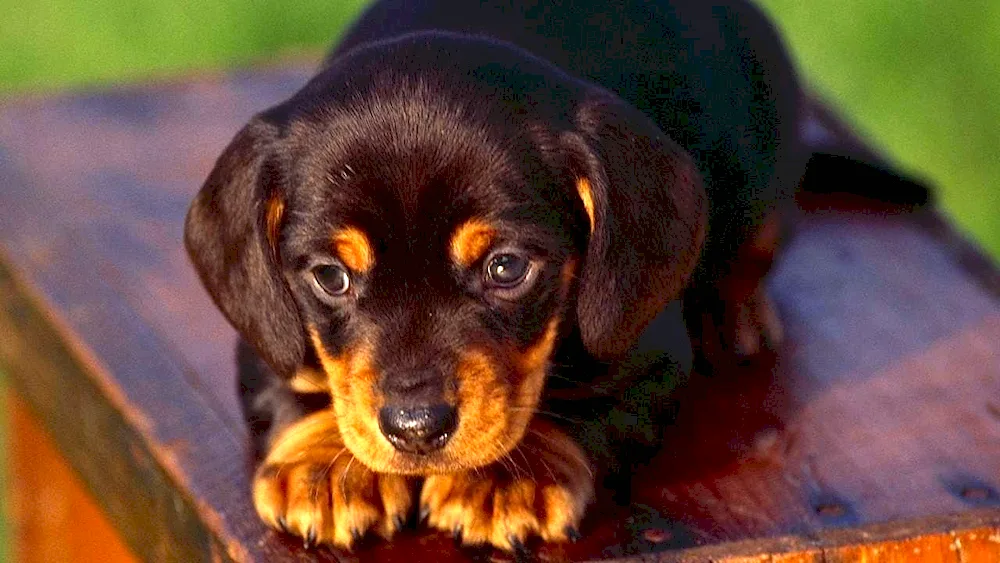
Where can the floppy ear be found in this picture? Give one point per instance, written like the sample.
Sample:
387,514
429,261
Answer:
648,214
231,234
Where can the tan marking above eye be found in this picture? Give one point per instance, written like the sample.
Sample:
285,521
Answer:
470,241
587,197
272,220
354,249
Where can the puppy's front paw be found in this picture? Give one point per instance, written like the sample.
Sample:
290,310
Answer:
311,486
541,488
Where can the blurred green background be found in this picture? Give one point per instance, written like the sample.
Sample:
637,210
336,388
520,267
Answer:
920,79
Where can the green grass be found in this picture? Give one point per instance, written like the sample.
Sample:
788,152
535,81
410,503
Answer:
920,78
56,43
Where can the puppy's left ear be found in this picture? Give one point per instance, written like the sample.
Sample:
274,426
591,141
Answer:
231,236
648,211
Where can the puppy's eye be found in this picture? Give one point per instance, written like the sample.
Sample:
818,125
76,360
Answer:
332,278
507,270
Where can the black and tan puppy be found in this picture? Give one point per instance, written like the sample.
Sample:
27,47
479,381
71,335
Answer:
442,252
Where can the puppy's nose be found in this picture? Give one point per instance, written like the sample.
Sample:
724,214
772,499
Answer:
418,430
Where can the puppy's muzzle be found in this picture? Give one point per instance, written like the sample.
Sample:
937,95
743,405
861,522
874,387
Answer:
418,430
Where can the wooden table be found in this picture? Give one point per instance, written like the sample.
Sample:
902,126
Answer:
875,432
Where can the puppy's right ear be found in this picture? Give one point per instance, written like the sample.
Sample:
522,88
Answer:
648,214
231,235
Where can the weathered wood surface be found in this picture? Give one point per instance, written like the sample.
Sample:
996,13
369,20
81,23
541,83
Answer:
875,431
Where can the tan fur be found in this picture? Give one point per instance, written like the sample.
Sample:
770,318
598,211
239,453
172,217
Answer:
493,414
354,249
567,276
352,381
542,487
312,484
587,197
274,213
307,380
493,417
534,367
483,402
470,241
504,474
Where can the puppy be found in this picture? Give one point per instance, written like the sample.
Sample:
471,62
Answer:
444,255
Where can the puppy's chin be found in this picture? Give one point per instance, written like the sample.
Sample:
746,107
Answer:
496,398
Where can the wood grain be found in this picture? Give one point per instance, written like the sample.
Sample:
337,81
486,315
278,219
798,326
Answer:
873,433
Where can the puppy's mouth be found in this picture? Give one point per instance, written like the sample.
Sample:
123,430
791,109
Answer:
485,418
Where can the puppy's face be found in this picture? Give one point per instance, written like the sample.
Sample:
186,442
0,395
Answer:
431,264
416,239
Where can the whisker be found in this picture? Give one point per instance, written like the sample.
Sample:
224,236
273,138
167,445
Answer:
504,459
335,457
526,462
314,492
565,451
548,468
513,468
343,477
545,413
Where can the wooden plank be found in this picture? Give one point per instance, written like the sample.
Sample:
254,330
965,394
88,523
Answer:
53,517
874,427
930,549
982,544
926,539
104,439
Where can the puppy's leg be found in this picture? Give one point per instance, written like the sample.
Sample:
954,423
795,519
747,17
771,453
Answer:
311,486
753,320
736,318
538,489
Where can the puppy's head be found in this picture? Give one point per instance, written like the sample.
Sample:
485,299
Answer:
418,229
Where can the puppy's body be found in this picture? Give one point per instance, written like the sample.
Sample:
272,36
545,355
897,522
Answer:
442,253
